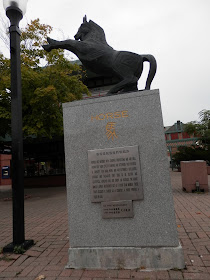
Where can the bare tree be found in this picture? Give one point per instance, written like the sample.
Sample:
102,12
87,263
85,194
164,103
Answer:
4,32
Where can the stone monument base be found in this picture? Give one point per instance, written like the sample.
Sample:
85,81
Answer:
126,258
120,200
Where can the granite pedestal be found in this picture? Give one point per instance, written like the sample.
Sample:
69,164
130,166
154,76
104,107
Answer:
148,239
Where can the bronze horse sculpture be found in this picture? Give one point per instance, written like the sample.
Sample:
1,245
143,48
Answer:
96,55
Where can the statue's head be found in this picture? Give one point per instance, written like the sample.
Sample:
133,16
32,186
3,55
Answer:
91,29
83,30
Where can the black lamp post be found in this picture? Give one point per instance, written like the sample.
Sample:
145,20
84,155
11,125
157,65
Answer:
14,11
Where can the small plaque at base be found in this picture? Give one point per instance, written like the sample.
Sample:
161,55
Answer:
117,209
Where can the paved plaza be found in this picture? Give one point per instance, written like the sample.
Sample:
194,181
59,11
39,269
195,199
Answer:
46,222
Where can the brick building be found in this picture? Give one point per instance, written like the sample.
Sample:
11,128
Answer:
5,169
175,137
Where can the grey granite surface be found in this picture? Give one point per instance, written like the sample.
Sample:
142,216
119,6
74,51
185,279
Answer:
148,258
153,224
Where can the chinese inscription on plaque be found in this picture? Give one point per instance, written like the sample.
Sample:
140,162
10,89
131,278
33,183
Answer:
115,174
117,209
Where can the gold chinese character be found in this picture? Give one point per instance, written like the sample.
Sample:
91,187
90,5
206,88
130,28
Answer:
110,130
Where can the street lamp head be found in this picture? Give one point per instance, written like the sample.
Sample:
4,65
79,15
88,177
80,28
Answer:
15,9
16,5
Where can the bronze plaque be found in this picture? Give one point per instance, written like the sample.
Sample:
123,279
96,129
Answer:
115,174
117,209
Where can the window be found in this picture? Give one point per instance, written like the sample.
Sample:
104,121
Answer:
174,136
185,135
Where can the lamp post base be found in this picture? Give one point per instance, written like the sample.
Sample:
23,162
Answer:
10,248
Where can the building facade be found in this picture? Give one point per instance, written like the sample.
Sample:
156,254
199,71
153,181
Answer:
175,137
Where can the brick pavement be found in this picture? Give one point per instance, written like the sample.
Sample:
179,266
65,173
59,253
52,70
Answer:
46,223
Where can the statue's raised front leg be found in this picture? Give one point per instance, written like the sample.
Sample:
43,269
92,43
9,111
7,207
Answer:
51,44
70,45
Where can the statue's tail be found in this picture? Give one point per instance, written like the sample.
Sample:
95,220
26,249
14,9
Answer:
152,70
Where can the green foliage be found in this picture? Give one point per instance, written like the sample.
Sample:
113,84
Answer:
33,36
5,257
44,88
200,129
191,153
5,100
19,250
191,128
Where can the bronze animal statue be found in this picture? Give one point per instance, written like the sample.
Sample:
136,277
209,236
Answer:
96,55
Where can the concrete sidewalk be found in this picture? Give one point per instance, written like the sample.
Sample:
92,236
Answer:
46,223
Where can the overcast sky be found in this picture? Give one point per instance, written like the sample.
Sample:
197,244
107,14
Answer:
175,32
